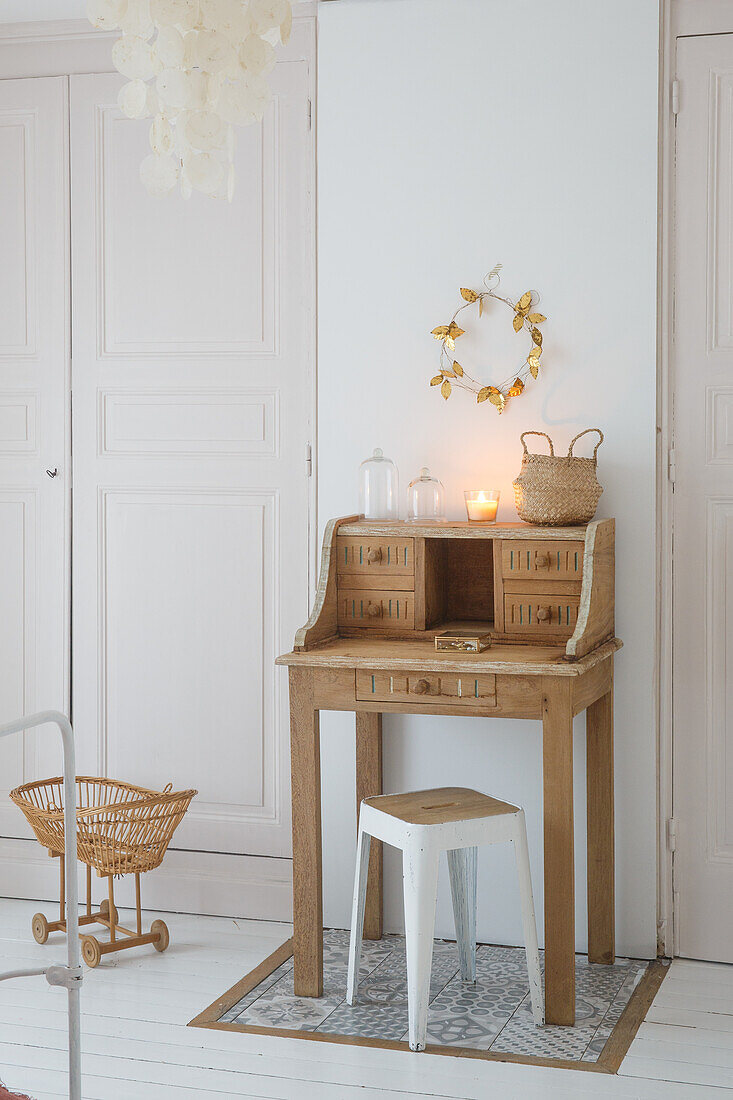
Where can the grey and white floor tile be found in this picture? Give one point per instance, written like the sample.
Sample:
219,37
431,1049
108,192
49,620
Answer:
494,1013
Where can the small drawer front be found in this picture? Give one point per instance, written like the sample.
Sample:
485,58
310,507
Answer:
552,561
426,688
395,557
537,615
373,609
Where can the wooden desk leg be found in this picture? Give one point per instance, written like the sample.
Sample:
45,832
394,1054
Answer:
305,781
557,734
601,904
368,783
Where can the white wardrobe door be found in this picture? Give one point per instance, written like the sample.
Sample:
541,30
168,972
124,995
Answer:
34,560
703,500
192,380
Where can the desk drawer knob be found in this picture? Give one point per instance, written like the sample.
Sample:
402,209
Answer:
542,561
422,687
374,610
374,555
543,614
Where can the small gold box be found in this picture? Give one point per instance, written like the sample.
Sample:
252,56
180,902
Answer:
467,641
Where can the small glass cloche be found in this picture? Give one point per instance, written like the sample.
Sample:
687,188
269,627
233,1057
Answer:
379,488
425,499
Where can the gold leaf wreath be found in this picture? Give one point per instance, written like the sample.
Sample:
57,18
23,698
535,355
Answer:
525,317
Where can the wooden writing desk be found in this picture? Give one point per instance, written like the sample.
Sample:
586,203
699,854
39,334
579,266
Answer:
547,595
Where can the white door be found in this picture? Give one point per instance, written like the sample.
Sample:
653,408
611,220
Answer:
192,397
703,500
34,645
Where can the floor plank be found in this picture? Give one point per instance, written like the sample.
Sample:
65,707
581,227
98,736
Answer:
135,1040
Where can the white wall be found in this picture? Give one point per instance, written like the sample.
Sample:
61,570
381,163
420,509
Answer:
453,134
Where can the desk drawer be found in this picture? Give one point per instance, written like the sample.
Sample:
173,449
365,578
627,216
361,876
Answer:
552,561
369,556
376,609
535,615
426,688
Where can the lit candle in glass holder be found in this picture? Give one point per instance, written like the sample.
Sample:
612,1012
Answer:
481,505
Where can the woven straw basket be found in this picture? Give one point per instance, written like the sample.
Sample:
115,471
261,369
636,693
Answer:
554,491
120,828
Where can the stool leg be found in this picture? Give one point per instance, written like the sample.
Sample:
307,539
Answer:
361,877
420,884
462,868
529,925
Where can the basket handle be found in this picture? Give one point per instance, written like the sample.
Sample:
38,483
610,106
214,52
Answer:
526,451
595,451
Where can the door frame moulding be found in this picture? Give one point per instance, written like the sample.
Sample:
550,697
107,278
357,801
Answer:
64,48
678,19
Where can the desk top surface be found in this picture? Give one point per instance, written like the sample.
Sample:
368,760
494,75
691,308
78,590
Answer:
455,529
385,653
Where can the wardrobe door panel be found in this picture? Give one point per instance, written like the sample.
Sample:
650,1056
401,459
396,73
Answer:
193,385
34,380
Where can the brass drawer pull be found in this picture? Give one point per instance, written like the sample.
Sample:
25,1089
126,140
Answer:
422,687
543,614
374,610
374,555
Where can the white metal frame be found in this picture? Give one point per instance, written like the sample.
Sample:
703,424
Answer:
421,846
678,18
69,976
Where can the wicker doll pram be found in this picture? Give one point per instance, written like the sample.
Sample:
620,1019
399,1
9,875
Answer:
121,829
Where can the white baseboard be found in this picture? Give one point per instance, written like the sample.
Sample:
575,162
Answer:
256,887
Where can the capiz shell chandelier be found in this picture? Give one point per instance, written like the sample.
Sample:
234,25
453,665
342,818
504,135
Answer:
197,68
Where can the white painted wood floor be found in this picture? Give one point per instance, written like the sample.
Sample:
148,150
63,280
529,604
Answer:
136,1045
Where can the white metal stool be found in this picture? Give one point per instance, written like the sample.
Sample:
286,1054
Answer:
423,824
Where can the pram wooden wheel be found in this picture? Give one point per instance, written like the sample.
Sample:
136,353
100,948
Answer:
40,928
161,930
90,951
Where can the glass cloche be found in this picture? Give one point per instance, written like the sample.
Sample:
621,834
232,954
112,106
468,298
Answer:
425,499
379,488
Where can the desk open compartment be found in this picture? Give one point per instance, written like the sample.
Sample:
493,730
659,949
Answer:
457,580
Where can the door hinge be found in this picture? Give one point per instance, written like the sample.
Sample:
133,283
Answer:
675,97
671,465
671,835
310,114
308,460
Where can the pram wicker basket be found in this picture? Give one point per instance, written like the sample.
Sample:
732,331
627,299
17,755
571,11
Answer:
121,829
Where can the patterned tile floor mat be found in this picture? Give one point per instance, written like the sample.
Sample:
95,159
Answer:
494,1014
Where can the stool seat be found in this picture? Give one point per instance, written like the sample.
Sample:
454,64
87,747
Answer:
455,820
434,807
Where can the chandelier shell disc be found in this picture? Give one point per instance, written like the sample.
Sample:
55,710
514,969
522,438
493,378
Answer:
180,13
159,174
169,48
205,172
205,130
137,19
265,15
214,52
106,14
227,16
133,57
244,101
256,55
161,135
133,99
